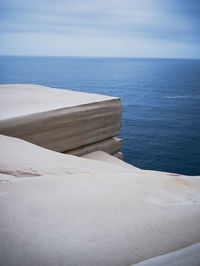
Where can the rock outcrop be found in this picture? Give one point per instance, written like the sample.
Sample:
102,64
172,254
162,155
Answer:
58,209
61,120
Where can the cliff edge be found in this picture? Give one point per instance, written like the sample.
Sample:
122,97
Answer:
60,120
60,209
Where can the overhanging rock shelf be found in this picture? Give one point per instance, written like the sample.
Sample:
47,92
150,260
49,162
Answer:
61,120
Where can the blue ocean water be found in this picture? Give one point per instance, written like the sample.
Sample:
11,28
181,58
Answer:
160,100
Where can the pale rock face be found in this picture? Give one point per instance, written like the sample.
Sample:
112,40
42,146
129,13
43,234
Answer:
60,120
104,157
111,146
58,209
19,100
184,257
32,160
119,155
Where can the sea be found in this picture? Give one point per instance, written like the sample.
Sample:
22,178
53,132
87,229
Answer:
160,101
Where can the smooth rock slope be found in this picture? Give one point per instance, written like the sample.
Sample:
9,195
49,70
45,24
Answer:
184,257
58,209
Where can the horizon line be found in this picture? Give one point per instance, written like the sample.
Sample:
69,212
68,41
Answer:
105,57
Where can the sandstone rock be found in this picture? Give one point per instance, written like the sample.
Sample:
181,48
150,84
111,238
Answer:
58,209
59,120
119,155
183,257
111,146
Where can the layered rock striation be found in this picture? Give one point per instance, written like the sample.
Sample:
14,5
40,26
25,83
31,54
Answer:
61,120
60,209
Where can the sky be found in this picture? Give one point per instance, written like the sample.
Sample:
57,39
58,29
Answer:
106,28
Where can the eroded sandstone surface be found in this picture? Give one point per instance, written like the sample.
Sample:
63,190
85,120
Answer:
60,120
59,209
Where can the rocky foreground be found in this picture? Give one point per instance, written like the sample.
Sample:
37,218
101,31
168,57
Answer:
60,209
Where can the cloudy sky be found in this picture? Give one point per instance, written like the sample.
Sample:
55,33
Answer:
122,28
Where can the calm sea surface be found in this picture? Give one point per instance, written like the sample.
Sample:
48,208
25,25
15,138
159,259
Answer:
160,100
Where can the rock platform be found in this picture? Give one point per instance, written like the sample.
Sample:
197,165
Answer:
61,120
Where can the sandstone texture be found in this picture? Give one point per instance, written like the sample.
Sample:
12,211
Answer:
184,257
111,146
60,120
60,209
